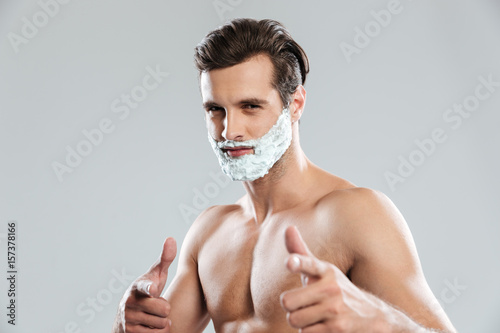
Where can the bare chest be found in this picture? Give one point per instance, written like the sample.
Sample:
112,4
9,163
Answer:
242,272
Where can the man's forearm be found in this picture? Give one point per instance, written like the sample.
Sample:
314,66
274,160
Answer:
393,320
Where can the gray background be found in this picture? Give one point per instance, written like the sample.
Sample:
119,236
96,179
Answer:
112,213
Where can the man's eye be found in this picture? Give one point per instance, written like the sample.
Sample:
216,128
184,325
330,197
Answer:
215,108
251,106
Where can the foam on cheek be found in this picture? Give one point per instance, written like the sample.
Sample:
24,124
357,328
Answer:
268,149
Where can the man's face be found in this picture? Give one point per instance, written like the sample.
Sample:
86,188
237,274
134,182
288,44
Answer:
240,102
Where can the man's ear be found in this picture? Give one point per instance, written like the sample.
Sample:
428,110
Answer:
298,103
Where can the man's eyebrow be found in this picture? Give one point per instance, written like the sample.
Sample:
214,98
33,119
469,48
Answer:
209,104
250,100
254,100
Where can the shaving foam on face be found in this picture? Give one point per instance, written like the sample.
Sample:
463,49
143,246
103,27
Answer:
267,150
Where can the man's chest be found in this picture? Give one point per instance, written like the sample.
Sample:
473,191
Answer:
242,274
242,269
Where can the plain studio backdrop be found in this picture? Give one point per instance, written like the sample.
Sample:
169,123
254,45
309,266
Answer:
96,182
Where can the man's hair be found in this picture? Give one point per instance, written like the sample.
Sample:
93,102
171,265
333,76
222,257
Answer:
242,38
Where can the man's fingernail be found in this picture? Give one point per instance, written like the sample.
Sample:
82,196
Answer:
144,286
295,262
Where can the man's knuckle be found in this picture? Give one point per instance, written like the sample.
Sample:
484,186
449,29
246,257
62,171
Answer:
129,328
331,289
129,303
340,325
285,301
165,310
127,315
293,319
162,323
332,308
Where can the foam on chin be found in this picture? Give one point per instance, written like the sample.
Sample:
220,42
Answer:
267,150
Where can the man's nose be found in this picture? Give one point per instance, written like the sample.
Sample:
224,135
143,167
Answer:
234,126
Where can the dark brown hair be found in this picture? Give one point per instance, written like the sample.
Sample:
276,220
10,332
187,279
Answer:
242,38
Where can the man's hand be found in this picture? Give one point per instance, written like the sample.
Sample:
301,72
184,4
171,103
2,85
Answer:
142,309
328,301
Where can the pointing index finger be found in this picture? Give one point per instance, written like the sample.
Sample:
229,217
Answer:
307,265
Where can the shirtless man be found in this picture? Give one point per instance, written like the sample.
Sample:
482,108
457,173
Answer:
303,250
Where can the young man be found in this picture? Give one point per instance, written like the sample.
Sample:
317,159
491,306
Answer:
303,250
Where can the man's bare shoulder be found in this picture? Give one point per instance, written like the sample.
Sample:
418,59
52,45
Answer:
212,217
365,214
373,232
208,221
352,202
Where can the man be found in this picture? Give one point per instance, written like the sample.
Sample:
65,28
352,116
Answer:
302,250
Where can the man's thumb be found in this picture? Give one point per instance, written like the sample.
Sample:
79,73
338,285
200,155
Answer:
294,242
158,272
167,254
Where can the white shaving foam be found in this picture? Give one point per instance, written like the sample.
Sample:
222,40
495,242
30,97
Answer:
268,150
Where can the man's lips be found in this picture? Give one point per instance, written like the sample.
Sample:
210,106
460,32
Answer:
237,151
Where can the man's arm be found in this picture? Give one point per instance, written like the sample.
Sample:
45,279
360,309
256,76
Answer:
387,291
182,307
386,262
185,294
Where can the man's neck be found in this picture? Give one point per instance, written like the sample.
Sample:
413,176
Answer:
285,186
